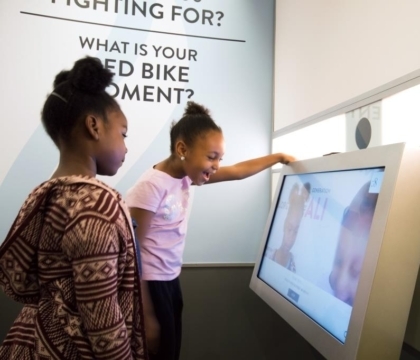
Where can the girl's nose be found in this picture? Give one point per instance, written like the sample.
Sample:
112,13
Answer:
216,164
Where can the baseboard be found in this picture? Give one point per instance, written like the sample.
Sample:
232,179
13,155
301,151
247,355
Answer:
217,265
411,351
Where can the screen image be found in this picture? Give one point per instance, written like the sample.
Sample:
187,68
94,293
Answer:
317,241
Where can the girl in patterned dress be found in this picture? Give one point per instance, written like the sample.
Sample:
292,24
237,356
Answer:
70,255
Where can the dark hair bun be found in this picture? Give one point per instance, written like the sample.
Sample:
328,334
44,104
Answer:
89,75
61,78
193,108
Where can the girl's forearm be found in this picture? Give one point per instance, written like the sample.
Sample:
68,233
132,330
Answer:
249,168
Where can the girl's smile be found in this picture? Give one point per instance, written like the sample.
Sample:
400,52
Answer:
202,160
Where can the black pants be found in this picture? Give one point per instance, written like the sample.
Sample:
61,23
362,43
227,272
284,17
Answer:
167,301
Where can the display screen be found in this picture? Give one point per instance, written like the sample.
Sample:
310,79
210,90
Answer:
317,242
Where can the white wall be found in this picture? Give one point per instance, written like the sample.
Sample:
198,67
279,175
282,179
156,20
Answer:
330,51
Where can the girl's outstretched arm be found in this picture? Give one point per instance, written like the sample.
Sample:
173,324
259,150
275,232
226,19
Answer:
248,168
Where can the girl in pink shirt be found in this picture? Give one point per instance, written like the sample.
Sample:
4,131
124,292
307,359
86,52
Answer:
158,202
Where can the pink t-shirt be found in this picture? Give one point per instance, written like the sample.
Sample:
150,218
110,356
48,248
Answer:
163,246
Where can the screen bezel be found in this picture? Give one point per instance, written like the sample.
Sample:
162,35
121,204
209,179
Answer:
276,209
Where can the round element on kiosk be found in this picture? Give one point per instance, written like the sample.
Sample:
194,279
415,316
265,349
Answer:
363,133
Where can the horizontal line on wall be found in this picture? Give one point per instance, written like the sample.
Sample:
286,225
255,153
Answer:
130,28
212,265
379,93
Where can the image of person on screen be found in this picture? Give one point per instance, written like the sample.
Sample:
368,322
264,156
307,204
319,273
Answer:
351,246
297,199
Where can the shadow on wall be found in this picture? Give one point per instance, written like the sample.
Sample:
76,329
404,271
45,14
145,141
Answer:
225,320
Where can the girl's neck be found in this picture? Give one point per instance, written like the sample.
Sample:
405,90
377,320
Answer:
73,164
171,166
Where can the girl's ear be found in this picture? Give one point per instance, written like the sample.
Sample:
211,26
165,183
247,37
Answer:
180,149
92,126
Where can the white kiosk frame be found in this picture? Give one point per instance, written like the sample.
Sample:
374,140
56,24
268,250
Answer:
387,280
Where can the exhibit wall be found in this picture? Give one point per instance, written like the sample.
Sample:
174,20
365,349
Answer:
163,54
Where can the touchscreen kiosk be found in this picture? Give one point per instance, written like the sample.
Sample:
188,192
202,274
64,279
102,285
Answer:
341,250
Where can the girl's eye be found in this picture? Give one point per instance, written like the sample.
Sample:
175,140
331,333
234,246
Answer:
213,158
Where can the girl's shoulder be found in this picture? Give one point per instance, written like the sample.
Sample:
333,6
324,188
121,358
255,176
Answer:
158,183
89,198
76,193
158,177
65,199
60,192
76,181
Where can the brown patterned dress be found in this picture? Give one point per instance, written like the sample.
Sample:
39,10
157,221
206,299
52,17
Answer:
70,257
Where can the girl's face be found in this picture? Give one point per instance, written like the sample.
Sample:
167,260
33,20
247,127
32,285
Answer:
352,243
203,158
347,265
111,153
